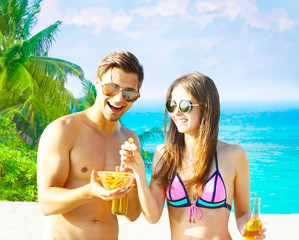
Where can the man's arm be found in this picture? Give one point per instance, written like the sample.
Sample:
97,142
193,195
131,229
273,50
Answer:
53,166
134,209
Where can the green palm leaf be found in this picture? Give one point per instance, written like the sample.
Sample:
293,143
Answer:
146,137
90,95
150,135
39,44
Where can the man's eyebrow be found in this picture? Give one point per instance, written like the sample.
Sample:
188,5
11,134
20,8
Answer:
128,88
131,89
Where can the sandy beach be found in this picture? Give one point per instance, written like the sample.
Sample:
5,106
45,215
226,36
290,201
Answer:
21,220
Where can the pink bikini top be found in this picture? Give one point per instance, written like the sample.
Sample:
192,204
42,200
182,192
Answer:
213,195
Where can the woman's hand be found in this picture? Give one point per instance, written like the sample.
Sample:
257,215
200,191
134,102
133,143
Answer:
260,236
131,157
128,170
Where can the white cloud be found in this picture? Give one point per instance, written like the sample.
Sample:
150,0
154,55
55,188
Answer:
282,20
120,21
246,10
171,7
95,17
144,1
99,18
208,11
203,20
163,8
207,7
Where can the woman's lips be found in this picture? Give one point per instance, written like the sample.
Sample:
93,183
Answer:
180,121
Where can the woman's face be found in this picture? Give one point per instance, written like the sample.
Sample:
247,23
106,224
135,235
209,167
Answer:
187,123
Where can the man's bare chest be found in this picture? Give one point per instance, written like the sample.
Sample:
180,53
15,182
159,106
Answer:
97,154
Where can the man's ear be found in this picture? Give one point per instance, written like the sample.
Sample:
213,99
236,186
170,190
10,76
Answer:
97,83
96,80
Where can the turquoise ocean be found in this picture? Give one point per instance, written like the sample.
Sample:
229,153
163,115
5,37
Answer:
269,133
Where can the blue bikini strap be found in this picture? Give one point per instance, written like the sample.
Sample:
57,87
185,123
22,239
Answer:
216,161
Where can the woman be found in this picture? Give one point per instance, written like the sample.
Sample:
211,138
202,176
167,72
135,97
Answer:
197,174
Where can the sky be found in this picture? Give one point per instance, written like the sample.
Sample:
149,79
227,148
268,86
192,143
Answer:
248,47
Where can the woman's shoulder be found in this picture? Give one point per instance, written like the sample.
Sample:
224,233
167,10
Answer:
228,147
233,152
160,148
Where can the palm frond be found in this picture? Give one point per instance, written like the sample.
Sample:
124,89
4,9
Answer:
150,135
12,23
39,44
2,44
9,108
14,52
90,95
20,81
31,19
54,68
3,73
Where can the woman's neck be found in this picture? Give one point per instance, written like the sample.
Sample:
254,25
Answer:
189,143
188,154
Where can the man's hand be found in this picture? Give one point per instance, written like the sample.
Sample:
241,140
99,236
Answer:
97,189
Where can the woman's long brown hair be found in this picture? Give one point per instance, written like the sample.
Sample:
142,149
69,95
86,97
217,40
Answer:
203,89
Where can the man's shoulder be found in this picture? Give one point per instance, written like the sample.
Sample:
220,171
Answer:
65,123
128,132
69,120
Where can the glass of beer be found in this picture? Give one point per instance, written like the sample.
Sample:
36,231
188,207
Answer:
112,180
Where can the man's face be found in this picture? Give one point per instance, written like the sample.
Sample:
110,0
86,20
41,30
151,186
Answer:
113,107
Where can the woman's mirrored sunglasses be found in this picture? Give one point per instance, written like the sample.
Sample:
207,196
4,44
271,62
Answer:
112,89
185,106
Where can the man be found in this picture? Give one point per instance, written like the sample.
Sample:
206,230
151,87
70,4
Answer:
73,148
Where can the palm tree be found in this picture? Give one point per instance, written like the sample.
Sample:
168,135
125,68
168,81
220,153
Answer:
90,94
31,83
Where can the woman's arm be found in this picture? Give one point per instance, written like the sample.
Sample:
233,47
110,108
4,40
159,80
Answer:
242,187
242,190
151,198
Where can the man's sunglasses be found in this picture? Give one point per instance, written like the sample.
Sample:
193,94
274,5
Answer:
185,106
112,89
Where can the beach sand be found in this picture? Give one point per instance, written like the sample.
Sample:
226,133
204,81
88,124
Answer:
22,220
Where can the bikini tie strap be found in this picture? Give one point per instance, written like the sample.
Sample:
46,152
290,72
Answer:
192,213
